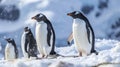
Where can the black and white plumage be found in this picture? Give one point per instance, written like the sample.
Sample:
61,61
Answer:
83,34
11,51
28,44
45,35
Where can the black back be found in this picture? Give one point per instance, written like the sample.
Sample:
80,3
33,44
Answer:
50,32
40,17
9,40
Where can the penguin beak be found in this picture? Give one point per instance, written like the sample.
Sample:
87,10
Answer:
33,18
69,14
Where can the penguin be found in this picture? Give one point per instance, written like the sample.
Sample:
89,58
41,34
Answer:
45,35
28,44
83,34
11,51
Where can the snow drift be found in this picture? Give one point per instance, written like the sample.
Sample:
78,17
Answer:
109,52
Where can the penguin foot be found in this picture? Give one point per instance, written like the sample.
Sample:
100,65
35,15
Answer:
53,53
38,58
94,51
44,56
56,55
80,54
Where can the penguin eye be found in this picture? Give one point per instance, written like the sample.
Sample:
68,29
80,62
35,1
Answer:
40,15
28,29
11,39
77,12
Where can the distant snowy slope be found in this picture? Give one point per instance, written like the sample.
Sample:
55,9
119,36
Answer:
109,52
56,10
102,14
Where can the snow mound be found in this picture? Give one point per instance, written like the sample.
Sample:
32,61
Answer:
109,53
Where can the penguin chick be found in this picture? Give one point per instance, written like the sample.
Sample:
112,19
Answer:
29,47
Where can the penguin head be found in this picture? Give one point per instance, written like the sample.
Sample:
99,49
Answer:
27,30
75,14
9,40
39,17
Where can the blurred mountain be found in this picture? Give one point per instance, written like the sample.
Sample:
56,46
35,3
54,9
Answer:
9,12
104,16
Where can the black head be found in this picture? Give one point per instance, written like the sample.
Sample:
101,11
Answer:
75,14
9,40
39,17
28,32
27,29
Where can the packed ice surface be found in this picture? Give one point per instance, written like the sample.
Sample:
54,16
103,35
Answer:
109,52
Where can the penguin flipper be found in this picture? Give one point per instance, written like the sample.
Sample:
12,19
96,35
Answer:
88,33
91,40
49,35
16,50
70,38
26,43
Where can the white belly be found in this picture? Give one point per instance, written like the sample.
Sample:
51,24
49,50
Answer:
41,39
23,45
80,36
9,52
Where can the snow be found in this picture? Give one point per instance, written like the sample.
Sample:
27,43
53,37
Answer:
109,55
56,10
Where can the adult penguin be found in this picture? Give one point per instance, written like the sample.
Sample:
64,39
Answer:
45,35
83,34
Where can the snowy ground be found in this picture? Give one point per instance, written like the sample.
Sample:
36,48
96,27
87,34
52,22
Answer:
109,52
